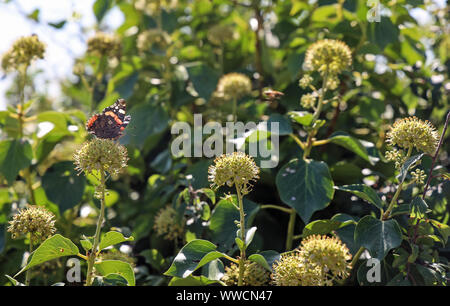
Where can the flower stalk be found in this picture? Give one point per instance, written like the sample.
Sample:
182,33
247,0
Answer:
94,252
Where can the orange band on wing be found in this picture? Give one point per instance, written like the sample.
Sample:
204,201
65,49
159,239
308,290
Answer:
114,116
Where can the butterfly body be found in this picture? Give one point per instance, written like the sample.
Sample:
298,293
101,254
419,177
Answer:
111,122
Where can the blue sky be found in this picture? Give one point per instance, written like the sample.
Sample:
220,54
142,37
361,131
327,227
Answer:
63,45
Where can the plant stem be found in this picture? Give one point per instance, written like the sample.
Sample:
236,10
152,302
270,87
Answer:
28,274
397,193
441,140
234,110
27,176
290,231
298,141
93,253
322,95
286,210
242,228
357,256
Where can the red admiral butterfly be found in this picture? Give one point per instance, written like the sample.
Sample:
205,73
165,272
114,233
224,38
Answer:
111,122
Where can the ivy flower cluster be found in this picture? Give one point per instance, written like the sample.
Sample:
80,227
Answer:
103,44
254,275
168,225
34,220
234,86
236,168
101,154
23,52
318,261
412,132
328,56
219,34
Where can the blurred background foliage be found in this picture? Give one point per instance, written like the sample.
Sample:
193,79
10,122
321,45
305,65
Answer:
172,56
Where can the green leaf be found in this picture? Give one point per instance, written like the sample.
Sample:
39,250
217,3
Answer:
192,256
154,258
284,126
54,247
323,227
86,244
121,268
364,192
442,228
306,186
210,194
204,79
378,237
303,118
222,224
382,33
147,120
351,143
265,258
63,186
14,281
214,270
100,8
192,281
407,165
112,238
418,208
15,155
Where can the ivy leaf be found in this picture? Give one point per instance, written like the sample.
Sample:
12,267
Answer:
63,186
443,229
265,258
121,268
14,281
192,256
54,247
222,223
112,238
306,186
323,227
378,237
284,126
204,79
353,144
303,118
15,155
364,192
100,8
86,244
418,208
192,281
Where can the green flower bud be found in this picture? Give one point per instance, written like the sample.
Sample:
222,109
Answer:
254,275
235,168
101,154
34,220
